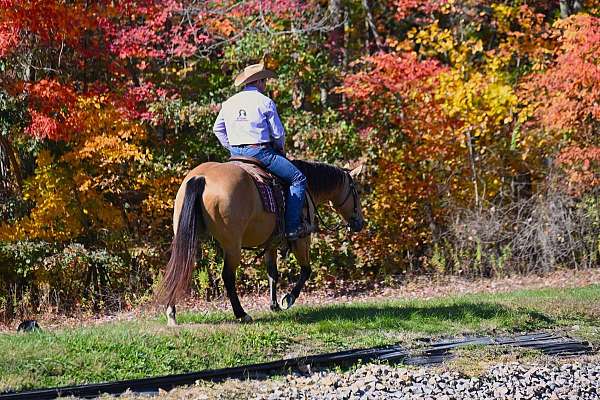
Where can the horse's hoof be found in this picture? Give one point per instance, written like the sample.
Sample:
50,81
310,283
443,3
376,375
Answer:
287,301
275,307
246,319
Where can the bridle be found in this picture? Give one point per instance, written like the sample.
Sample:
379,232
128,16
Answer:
354,220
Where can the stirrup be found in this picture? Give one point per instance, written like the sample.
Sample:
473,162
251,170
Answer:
299,233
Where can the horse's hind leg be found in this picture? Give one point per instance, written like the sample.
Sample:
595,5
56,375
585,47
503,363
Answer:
301,250
232,258
271,261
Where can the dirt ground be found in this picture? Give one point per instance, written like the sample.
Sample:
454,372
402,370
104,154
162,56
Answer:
423,287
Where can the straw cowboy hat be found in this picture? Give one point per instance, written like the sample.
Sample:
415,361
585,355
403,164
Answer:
252,73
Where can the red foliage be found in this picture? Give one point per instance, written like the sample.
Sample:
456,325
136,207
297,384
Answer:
388,78
49,21
407,7
156,30
582,166
170,28
393,100
9,38
49,106
134,103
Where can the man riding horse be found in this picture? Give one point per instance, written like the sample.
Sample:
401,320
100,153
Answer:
223,201
248,125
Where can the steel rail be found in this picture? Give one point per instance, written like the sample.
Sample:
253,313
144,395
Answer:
434,353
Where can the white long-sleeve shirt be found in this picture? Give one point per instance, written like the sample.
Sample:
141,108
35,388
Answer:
249,117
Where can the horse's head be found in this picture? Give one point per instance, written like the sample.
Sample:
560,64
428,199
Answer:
348,204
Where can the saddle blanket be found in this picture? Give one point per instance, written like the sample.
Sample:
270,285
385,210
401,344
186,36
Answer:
272,198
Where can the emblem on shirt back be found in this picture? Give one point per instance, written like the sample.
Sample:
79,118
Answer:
241,115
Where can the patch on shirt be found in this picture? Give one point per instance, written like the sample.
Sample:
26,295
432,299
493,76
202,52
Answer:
241,115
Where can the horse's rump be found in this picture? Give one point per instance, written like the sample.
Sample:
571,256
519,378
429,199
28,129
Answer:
231,205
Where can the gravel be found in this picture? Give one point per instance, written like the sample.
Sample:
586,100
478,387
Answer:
513,380
558,379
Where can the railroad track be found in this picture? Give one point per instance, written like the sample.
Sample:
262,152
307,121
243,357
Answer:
430,353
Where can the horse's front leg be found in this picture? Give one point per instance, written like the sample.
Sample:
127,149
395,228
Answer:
301,251
271,262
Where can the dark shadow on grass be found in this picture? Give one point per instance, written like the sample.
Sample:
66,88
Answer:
389,316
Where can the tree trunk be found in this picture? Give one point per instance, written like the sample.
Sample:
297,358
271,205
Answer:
371,28
473,167
335,39
565,9
13,164
570,7
4,171
336,45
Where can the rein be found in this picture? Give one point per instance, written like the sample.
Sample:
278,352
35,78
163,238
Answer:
351,192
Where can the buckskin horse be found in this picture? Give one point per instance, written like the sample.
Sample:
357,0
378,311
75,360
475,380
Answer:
222,200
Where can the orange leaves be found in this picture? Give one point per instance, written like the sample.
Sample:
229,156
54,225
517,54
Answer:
566,95
222,27
50,97
391,71
528,34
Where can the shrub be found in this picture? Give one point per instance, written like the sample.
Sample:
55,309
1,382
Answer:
534,235
39,276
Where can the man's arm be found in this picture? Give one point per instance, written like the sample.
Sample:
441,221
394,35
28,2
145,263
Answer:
220,131
276,127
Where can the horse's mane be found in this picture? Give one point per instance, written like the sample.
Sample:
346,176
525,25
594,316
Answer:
322,178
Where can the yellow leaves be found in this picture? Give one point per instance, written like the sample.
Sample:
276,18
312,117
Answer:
70,194
483,102
503,15
400,46
106,137
433,40
183,72
54,216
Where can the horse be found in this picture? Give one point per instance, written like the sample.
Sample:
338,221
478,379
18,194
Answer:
222,200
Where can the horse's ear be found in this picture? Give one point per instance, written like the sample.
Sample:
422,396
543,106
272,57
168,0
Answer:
356,171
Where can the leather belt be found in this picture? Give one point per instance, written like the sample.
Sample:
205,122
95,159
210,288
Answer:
266,144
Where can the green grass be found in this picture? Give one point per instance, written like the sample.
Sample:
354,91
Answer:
127,350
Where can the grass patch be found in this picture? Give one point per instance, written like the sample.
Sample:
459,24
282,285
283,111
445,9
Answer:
128,350
475,360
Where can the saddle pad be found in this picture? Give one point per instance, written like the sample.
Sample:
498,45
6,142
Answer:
264,184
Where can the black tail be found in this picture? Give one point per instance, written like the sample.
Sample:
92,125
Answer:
191,225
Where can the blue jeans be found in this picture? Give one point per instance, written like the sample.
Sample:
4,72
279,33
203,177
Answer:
281,167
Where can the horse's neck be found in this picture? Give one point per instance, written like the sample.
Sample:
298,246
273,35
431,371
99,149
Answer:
334,196
323,175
